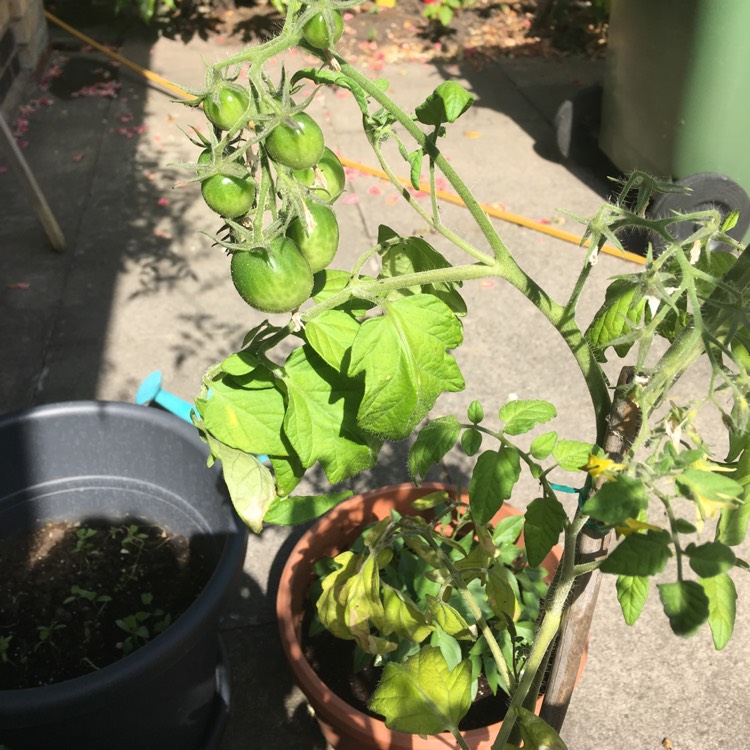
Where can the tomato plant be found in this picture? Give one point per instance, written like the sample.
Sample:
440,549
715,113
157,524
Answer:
326,179
226,105
273,279
296,142
320,242
324,29
227,195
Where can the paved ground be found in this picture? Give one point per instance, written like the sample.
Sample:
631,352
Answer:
141,289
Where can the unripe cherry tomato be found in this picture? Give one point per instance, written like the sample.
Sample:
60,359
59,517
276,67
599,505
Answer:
228,195
224,108
272,279
319,244
329,184
296,142
324,29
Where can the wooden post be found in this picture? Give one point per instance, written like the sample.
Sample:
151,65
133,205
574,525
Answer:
624,423
31,187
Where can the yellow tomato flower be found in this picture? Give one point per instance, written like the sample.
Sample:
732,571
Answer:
605,468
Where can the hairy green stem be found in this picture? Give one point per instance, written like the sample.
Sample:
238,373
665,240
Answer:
548,629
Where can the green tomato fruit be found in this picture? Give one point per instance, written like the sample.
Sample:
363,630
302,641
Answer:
319,243
227,195
272,279
328,183
324,29
226,105
297,142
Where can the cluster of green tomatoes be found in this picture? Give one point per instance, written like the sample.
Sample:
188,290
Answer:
274,275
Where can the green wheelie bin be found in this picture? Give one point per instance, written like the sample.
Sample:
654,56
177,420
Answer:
676,101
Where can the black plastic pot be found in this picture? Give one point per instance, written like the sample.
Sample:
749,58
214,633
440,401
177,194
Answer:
113,461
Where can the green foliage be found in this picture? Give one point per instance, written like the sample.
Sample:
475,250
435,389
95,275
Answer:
362,359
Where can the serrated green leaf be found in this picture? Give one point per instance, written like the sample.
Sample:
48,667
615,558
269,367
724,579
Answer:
733,523
251,485
639,555
331,335
543,445
681,526
730,222
492,481
414,255
288,471
616,501
500,593
421,695
722,608
471,442
445,104
537,734
415,164
632,592
402,616
292,511
508,530
363,604
522,416
330,282
449,647
320,420
402,356
572,455
449,619
475,412
623,308
240,363
710,491
685,604
545,521
710,559
432,443
332,600
330,76
247,419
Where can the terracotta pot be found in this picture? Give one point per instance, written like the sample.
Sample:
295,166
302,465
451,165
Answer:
345,727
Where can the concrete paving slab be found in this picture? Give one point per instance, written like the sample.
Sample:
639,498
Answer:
141,289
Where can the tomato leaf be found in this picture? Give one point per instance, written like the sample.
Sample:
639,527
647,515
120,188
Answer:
537,734
492,481
245,418
402,616
623,309
545,520
422,695
329,282
432,443
685,604
521,416
733,523
543,445
331,335
471,442
251,485
449,619
412,255
572,455
710,559
403,359
632,592
320,420
639,555
500,594
288,471
445,104
291,511
722,606
617,501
